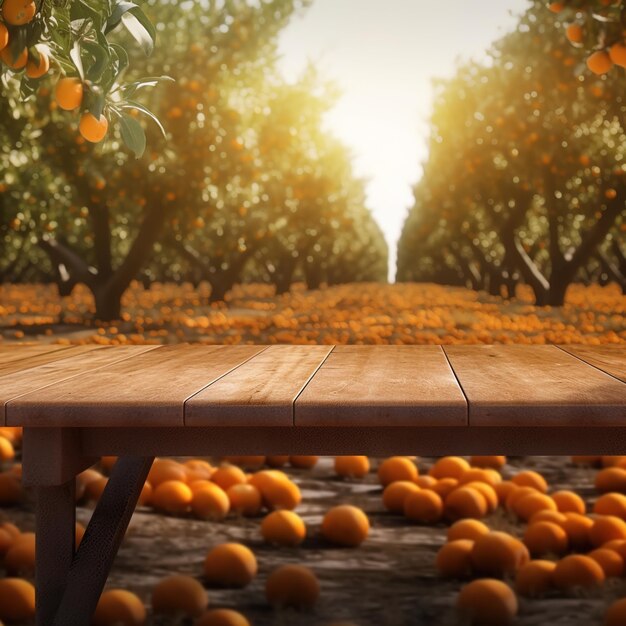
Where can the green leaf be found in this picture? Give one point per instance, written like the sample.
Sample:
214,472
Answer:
133,135
101,60
143,37
75,55
131,104
120,7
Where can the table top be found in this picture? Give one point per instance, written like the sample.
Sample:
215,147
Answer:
286,385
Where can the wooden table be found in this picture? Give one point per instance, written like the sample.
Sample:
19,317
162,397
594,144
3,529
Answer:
137,402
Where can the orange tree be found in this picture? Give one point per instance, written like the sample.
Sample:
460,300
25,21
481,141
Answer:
524,178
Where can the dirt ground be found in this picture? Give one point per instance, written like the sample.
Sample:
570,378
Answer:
389,581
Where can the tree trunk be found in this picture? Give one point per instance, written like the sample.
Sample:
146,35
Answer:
108,302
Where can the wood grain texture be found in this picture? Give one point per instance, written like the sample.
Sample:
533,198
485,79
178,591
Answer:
145,390
610,359
535,386
259,393
35,378
23,358
383,386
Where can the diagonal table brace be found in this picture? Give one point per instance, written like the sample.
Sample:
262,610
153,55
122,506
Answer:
74,588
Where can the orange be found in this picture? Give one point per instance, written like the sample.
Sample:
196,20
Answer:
577,528
498,554
531,504
228,475
209,501
445,487
616,614
488,492
396,468
547,515
145,497
556,7
20,557
607,528
69,96
352,466
280,493
470,529
92,129
487,602
426,482
424,506
545,538
37,68
245,499
345,525
517,494
4,36
230,565
107,463
465,502
222,617
292,586
504,489
610,561
283,528
453,559
303,462
17,600
611,479
574,33
14,62
599,62
535,578
611,504
577,571
179,595
481,475
95,488
119,607
494,462
532,479
396,493
172,496
617,52
449,467
6,541
7,452
569,502
18,12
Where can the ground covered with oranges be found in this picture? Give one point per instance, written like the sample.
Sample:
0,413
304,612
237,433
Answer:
356,313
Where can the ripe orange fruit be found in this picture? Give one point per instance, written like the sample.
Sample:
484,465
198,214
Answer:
68,94
445,487
611,504
228,475
545,538
535,578
426,482
245,499
487,476
504,490
611,479
15,63
599,62
37,68
488,492
556,7
498,554
303,462
453,559
493,462
617,52
117,606
607,528
230,565
488,602
569,502
92,129
352,466
610,561
17,600
616,613
396,468
574,33
532,479
465,502
279,492
6,541
345,525
577,571
172,496
7,452
222,617
531,504
449,467
20,557
577,528
292,586
283,528
4,36
18,12
179,596
396,493
209,501
424,506
470,529
165,470
548,516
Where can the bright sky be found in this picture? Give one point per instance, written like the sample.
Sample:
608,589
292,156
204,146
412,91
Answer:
382,56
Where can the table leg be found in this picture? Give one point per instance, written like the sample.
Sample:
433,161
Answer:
54,550
103,536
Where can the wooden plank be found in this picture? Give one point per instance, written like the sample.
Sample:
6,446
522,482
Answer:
610,359
383,386
26,381
259,393
22,357
16,352
145,390
535,386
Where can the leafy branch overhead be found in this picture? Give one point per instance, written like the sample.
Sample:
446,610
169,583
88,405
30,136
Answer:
86,45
